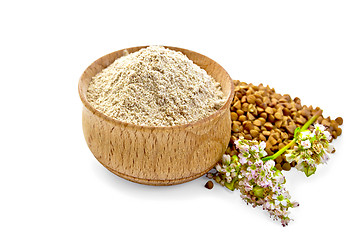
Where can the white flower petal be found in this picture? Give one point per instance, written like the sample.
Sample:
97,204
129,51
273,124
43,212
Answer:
218,168
327,135
226,158
330,148
262,145
306,144
319,127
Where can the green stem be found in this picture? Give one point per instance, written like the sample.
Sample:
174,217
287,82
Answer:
303,128
281,151
311,120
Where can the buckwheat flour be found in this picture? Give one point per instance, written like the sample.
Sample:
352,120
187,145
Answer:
155,87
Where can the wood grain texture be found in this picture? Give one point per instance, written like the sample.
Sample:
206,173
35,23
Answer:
157,155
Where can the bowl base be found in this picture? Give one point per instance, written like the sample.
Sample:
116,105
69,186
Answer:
156,182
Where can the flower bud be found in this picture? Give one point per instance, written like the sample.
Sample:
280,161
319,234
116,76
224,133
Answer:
258,191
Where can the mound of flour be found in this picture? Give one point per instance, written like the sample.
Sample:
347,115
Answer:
155,87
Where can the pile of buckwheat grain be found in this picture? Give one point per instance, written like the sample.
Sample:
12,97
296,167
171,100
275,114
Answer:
155,86
259,113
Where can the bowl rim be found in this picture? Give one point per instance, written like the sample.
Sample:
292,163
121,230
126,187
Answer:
127,124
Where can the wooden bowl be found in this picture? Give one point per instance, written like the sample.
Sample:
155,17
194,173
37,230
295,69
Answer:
157,155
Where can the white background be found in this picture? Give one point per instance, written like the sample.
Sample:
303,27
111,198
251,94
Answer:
52,187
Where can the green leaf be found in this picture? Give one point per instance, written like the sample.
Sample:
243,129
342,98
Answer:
309,171
230,186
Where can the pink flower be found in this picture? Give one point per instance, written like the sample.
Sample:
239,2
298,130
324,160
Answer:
306,144
262,145
330,148
259,183
242,160
327,135
255,148
319,127
269,164
325,157
226,158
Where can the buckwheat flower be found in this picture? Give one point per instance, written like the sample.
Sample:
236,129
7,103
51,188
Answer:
247,186
233,165
306,144
330,148
312,134
259,163
317,148
319,127
269,164
226,158
242,160
286,194
285,221
218,167
263,153
305,134
284,203
237,144
245,148
266,183
266,205
256,180
327,135
325,157
289,157
275,196
241,147
228,179
262,145
311,150
255,148
300,167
